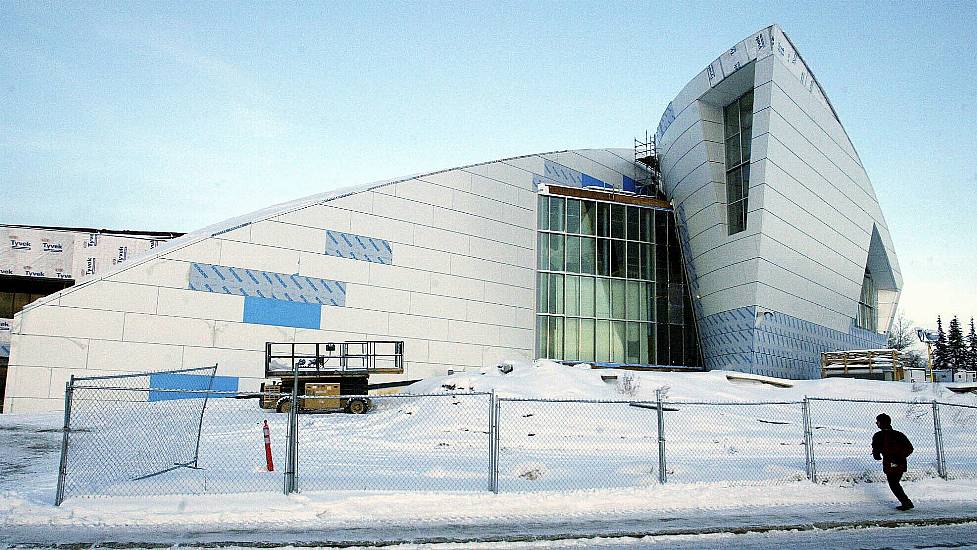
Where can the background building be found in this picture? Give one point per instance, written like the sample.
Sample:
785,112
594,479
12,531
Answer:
775,251
37,261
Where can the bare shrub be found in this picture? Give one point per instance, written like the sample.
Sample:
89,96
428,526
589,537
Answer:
628,384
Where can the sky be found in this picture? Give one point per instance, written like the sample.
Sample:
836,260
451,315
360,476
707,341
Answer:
170,116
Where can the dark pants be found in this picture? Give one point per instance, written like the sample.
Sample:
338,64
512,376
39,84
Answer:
894,478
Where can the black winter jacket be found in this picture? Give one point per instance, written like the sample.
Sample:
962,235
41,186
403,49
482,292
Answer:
892,447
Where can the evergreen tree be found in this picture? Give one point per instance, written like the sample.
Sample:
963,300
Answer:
956,351
972,345
939,347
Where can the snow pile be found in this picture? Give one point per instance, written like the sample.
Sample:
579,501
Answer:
549,380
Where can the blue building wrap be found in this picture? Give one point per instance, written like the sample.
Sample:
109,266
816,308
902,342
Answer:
265,311
171,381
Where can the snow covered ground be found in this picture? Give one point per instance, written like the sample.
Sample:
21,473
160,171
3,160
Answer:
622,496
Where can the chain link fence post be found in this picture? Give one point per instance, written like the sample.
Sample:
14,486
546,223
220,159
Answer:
293,424
662,472
200,424
808,440
493,443
69,388
938,434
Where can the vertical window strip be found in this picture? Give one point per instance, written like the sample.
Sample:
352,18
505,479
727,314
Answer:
738,130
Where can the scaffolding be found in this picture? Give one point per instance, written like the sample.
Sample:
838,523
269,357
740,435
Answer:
647,175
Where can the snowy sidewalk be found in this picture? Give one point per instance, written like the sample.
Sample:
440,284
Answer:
390,518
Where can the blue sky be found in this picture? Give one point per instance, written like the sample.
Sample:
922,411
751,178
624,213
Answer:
169,116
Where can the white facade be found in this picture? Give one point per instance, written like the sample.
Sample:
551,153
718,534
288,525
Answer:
770,298
444,261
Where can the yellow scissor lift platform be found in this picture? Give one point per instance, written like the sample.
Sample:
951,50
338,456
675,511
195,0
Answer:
328,374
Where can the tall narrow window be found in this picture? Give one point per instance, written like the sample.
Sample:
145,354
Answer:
868,304
738,124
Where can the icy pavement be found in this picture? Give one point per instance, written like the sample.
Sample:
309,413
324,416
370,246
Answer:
751,526
908,537
353,519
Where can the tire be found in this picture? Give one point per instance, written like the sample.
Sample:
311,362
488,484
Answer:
358,405
284,405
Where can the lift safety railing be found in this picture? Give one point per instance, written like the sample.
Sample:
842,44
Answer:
374,357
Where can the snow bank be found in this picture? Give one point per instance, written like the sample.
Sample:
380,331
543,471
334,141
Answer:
549,380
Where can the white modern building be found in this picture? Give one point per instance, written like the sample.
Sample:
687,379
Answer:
758,245
788,251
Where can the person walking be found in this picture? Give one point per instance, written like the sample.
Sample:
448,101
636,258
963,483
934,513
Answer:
892,448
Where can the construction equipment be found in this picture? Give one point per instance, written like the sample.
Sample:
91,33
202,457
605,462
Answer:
326,376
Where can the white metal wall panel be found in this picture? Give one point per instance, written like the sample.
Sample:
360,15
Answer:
110,355
108,295
393,276
29,382
364,296
424,192
474,333
413,326
167,330
445,307
449,241
200,305
454,353
335,268
320,216
244,363
503,172
255,256
511,295
451,179
288,236
50,351
51,320
206,251
161,272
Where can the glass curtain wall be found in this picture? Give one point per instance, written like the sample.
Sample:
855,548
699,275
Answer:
738,117
610,284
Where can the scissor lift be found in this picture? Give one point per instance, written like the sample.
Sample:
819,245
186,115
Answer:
330,375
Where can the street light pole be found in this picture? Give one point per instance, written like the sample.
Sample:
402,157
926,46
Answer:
929,360
928,337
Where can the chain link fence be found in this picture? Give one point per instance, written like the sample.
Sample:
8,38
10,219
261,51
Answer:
959,430
842,433
568,445
122,433
741,442
122,436
434,442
